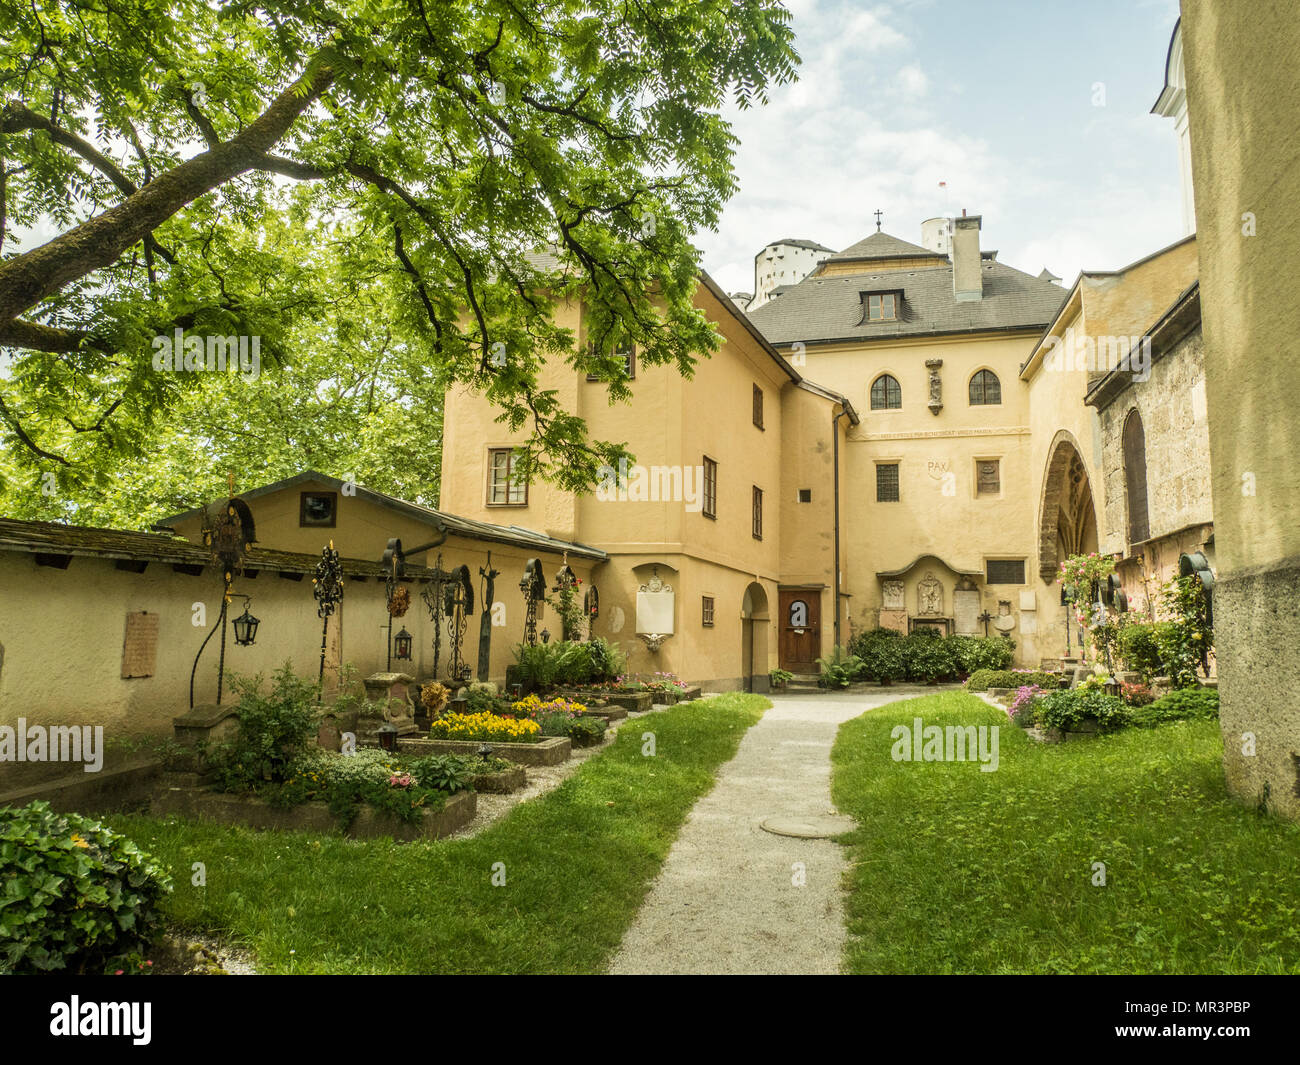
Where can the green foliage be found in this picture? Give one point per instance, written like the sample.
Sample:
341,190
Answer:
839,668
368,777
1069,708
927,656
972,653
445,772
586,731
607,660
273,729
538,664
778,677
403,257
881,652
1185,638
1137,648
1196,704
73,893
984,679
573,664
568,607
482,701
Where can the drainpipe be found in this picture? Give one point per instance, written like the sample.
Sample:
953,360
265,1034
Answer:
835,599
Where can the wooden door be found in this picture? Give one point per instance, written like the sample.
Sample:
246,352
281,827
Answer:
801,631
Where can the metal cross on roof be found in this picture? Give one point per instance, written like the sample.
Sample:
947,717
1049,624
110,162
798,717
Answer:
878,214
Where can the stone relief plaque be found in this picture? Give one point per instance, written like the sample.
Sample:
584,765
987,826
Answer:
893,595
929,596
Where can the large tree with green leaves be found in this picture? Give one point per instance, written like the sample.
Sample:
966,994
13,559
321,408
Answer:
186,154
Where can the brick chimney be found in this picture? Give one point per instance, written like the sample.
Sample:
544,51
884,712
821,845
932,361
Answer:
967,281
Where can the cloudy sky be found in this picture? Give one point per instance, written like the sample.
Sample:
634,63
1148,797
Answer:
998,98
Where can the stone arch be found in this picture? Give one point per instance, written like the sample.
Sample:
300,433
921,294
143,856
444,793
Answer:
1067,517
754,624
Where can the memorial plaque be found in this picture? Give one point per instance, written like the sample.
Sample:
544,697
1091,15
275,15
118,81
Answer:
966,609
893,595
929,596
140,645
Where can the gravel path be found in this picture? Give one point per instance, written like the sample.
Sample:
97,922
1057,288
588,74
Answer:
725,900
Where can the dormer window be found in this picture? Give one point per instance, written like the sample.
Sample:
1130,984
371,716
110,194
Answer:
881,306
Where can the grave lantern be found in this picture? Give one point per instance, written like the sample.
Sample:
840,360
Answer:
402,645
245,627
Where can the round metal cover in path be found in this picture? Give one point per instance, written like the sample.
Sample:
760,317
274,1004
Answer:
816,827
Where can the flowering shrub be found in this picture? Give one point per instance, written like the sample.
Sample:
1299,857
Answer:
1070,709
1136,694
533,708
485,728
1080,575
1021,710
369,776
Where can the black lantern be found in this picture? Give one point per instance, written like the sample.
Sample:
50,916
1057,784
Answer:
387,736
402,645
546,635
245,627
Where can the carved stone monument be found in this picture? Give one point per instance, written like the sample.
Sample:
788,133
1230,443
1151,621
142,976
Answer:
392,691
929,597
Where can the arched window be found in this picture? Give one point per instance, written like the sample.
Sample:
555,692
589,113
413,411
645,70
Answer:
1135,478
885,393
985,389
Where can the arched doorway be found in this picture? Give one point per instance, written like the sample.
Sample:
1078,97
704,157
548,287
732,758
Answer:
1067,519
754,620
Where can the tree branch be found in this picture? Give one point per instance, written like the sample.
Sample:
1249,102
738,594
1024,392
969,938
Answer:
98,242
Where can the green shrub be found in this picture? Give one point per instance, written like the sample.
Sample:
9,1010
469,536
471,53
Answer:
927,657
484,702
537,664
367,777
881,654
778,677
1179,705
839,668
73,893
445,772
1136,647
1069,708
573,664
586,731
984,679
972,653
273,730
607,660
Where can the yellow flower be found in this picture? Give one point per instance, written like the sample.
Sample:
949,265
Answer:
76,838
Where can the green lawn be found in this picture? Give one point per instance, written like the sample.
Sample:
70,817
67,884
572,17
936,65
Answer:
957,870
578,863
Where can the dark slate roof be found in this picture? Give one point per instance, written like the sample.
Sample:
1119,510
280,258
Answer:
796,243
883,246
54,539
830,308
450,523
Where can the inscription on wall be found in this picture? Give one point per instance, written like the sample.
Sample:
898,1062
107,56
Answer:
140,645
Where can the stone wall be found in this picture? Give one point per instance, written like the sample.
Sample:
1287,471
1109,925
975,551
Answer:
1173,411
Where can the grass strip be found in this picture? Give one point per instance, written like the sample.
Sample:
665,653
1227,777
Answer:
961,871
577,864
